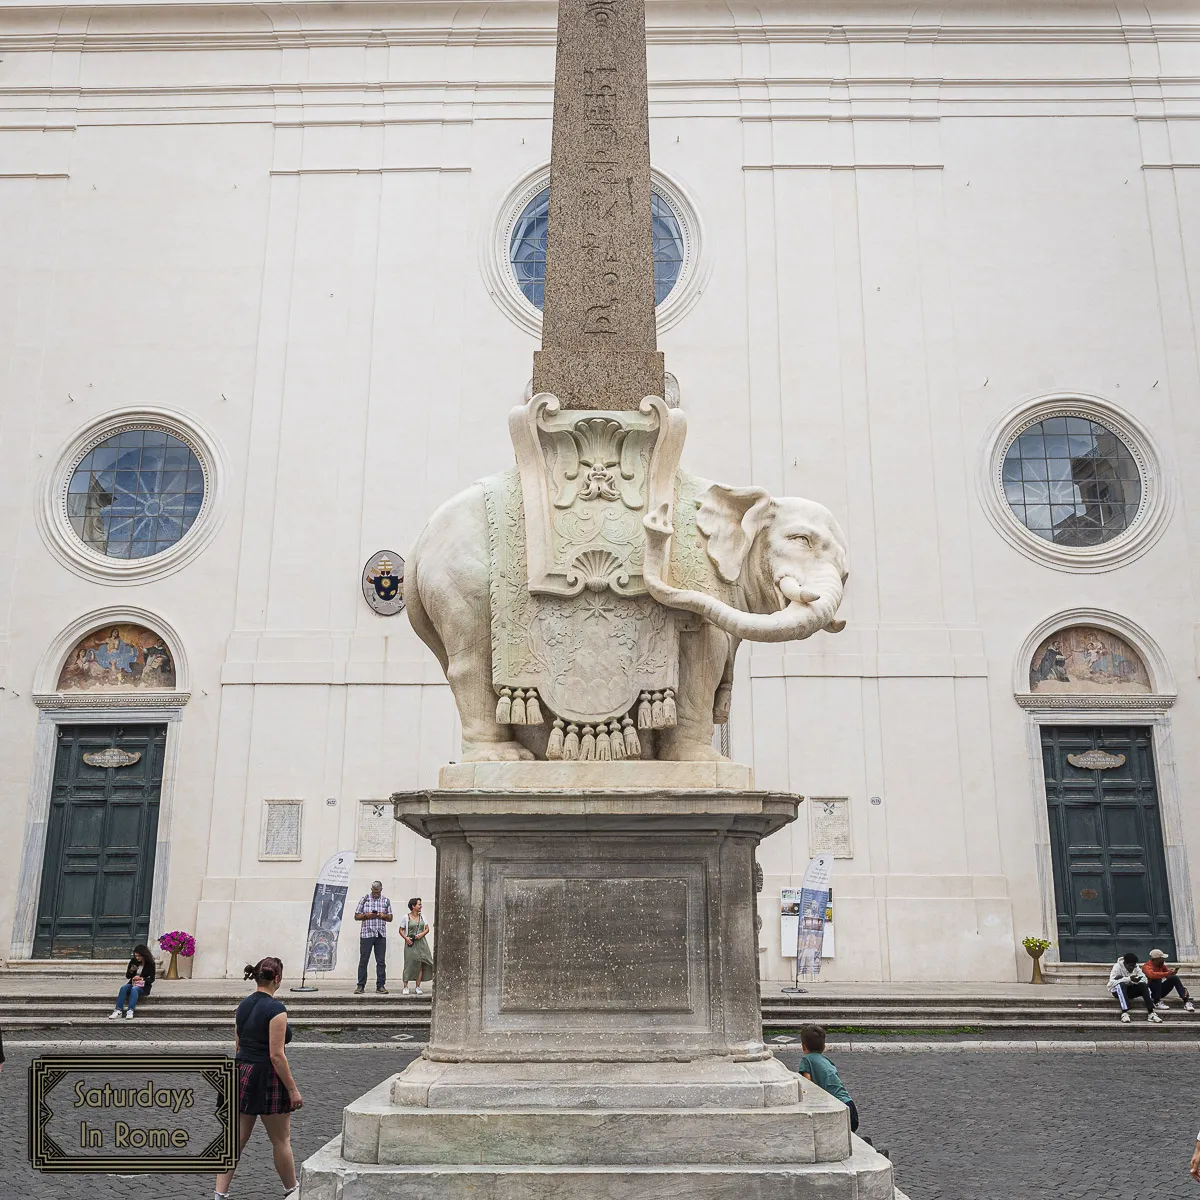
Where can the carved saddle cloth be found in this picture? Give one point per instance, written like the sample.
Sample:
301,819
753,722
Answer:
589,656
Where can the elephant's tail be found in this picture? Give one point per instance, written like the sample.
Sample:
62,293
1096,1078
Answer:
418,617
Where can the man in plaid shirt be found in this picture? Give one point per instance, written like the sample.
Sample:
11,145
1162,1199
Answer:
373,911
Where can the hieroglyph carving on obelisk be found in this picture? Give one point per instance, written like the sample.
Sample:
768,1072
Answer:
599,349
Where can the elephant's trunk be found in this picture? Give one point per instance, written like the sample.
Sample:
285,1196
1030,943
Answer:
800,618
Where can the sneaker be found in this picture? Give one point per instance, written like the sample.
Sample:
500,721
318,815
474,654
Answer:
129,1015
359,991
1161,1006
1125,1017
116,1012
405,992
381,991
1154,1019
417,990
1188,1006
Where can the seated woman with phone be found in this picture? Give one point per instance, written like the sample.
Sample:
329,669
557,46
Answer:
139,979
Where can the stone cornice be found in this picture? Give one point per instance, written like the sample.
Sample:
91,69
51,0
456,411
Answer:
1054,702
130,699
383,26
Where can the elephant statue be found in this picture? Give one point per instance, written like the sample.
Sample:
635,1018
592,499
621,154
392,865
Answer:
770,569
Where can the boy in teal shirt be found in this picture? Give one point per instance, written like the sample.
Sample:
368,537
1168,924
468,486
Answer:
816,1067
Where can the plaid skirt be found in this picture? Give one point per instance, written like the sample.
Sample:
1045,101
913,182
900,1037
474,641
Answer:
260,1092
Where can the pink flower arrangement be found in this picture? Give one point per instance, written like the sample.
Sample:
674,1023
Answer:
178,942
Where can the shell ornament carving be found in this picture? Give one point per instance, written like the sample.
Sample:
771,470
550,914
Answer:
597,570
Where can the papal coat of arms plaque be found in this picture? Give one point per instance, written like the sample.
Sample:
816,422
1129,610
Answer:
383,583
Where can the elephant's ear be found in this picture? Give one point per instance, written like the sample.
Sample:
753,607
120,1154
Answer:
730,518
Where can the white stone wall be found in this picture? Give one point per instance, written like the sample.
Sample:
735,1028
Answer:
276,220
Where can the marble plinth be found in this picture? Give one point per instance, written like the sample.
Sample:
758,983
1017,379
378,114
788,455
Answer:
602,776
595,1028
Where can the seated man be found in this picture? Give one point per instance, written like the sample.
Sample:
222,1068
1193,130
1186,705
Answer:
1127,979
1163,979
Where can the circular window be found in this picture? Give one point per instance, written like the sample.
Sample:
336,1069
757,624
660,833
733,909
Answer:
132,498
528,248
1072,481
516,264
135,494
1082,481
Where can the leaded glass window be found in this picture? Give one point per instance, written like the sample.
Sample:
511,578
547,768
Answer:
1072,481
527,248
135,494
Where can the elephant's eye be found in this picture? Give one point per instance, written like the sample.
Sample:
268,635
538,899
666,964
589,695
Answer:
800,537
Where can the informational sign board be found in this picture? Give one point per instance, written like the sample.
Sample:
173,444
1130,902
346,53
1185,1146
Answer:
810,931
325,916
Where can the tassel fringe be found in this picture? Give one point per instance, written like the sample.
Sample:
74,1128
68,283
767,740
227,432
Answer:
603,749
504,707
533,710
587,744
656,710
554,747
644,716
669,714
616,742
518,707
571,744
633,747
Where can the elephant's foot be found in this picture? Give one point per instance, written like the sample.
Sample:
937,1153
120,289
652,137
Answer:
495,752
681,749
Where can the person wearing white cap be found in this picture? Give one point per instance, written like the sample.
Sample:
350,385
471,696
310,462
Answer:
1127,980
1163,979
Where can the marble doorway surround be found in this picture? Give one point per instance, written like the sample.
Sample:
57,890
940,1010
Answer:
1170,802
37,812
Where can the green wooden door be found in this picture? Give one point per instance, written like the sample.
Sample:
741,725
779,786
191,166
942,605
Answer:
99,864
1110,871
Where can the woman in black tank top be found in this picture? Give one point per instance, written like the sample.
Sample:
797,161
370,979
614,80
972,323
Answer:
266,1089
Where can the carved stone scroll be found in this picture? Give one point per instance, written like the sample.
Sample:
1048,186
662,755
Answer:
587,479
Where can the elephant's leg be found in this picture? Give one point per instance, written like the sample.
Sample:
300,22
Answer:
483,740
448,579
702,658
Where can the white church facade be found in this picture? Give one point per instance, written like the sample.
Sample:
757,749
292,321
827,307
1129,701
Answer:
269,286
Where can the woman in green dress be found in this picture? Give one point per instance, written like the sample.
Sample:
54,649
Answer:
418,958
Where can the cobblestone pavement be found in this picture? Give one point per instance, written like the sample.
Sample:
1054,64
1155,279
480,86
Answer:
959,1126
1069,1126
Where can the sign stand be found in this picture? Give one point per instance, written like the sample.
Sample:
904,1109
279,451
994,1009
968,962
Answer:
302,986
325,918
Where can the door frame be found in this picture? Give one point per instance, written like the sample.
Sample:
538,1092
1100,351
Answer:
41,786
1170,807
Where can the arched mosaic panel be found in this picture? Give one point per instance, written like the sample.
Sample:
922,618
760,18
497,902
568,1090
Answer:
1084,660
118,658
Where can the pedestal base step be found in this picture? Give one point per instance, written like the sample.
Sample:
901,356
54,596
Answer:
716,1083
864,1175
376,1131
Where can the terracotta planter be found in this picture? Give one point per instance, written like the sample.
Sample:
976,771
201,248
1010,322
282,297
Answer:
1036,955
173,966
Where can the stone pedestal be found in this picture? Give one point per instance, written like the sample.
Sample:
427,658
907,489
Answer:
596,1017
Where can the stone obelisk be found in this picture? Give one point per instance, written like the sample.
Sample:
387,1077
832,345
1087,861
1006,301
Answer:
599,349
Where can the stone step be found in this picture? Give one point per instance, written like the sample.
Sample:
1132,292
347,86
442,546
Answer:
1034,996
97,1021
865,1175
809,1126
